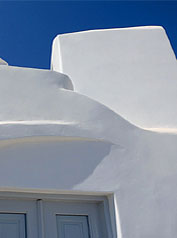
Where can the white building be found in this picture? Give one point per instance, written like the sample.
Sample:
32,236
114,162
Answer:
90,151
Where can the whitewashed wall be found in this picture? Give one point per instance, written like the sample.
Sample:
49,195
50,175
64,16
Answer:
131,70
53,139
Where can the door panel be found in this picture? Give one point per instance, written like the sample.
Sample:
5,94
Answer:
55,212
12,226
72,226
13,214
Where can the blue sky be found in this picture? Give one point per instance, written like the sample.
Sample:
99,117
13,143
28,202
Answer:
28,28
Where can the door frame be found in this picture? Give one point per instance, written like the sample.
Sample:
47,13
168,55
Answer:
103,200
10,205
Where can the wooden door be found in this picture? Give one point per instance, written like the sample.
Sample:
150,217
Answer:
72,226
12,225
18,219
71,220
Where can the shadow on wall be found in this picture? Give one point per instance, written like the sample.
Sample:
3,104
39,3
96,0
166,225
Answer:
50,165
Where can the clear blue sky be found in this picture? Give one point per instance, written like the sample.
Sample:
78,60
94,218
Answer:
28,28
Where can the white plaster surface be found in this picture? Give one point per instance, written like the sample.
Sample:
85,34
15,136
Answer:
3,62
53,139
131,70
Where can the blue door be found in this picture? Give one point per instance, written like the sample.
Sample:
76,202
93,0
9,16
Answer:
12,225
72,226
